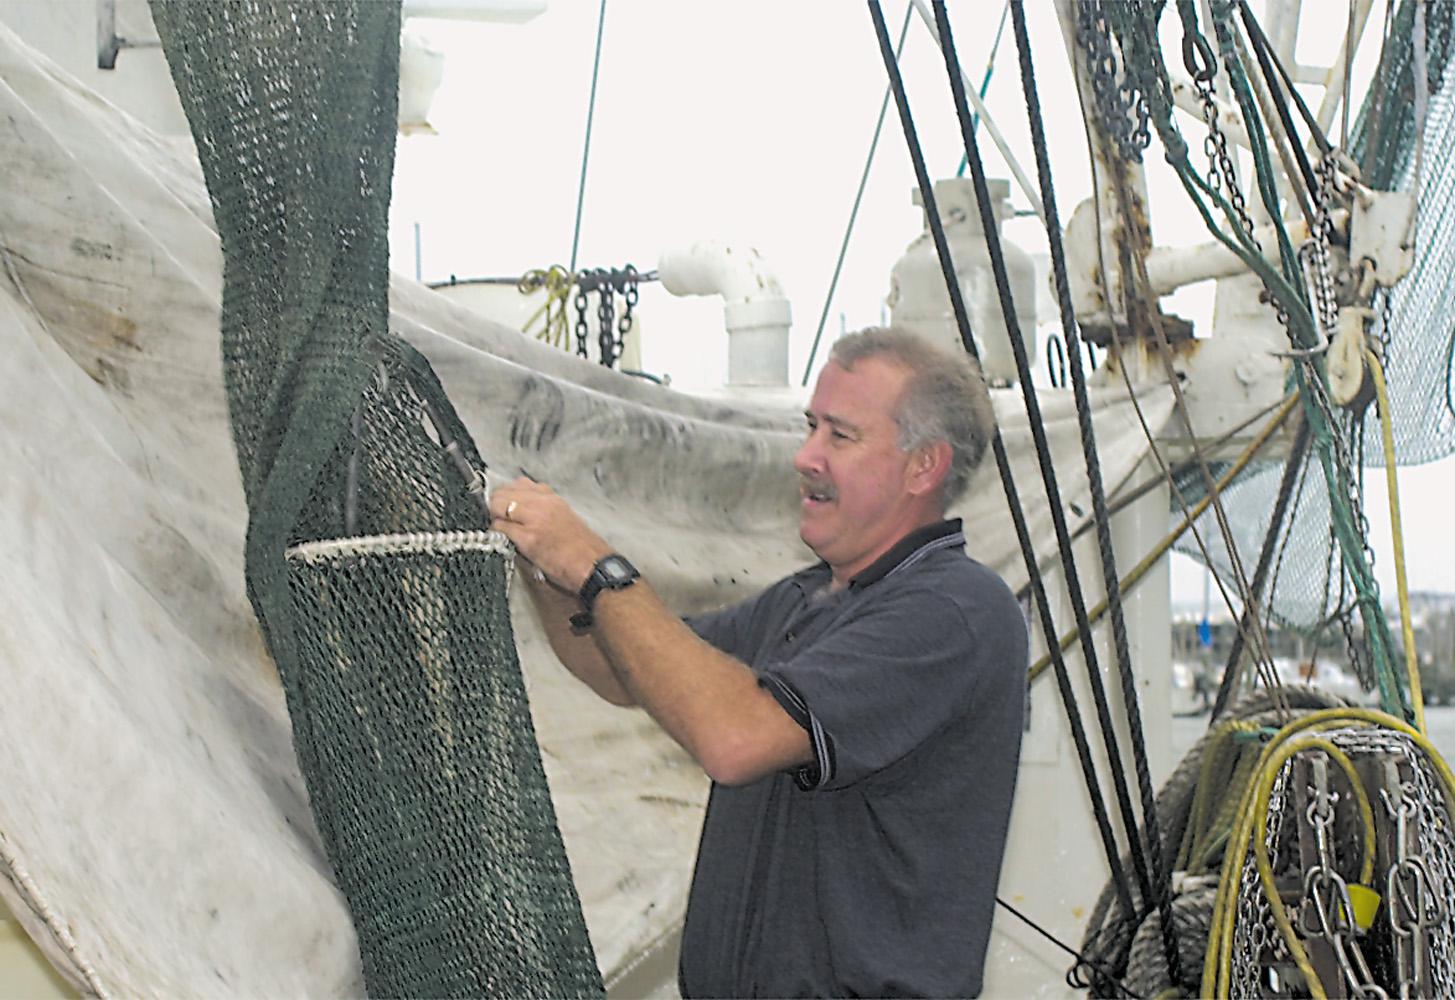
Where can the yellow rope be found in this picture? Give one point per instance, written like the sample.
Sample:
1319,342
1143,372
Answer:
558,282
1253,818
1391,478
1135,574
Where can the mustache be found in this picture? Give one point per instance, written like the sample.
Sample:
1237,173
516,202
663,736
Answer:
821,487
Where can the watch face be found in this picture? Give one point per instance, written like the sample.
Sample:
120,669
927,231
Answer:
617,570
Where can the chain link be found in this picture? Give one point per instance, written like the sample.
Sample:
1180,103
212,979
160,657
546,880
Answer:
606,318
1120,103
1428,841
1412,910
581,315
611,329
1256,942
1328,910
628,281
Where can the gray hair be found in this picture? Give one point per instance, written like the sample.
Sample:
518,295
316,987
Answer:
945,398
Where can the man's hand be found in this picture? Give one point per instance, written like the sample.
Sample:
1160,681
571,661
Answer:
547,532
640,652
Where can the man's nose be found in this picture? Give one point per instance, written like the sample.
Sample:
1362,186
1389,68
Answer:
808,460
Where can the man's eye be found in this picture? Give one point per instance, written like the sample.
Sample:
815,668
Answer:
840,436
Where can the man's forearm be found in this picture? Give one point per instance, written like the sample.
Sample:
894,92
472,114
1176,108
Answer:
642,653
707,701
580,654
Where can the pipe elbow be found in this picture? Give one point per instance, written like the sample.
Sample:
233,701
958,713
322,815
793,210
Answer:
711,267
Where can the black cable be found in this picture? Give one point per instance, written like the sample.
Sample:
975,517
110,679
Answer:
1262,45
1002,462
858,197
1081,960
1043,449
1260,572
1275,90
1160,879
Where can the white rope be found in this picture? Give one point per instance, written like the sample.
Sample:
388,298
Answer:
424,542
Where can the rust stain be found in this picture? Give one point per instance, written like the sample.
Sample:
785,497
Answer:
101,343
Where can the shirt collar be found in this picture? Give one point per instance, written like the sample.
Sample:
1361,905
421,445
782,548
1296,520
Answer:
904,549
811,579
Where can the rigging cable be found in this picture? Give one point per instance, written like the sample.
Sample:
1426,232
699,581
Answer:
985,81
1306,334
1138,35
1081,959
858,197
1190,514
1276,81
1125,495
1260,40
586,152
1348,72
1002,461
1291,473
1159,880
1134,575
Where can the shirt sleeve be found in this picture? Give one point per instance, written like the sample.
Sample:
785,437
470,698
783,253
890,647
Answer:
879,684
728,628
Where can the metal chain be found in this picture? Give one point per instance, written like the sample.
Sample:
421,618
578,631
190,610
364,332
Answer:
1426,839
1386,323
627,278
1328,910
1314,256
1256,940
1120,103
1434,838
605,316
611,329
1327,313
581,315
1201,65
1412,909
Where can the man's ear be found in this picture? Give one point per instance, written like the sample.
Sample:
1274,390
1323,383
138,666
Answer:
929,466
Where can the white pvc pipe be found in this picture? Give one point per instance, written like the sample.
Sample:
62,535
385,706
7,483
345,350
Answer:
710,267
1169,268
756,313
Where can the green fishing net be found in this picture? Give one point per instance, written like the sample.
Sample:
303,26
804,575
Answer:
1399,143
381,599
1308,585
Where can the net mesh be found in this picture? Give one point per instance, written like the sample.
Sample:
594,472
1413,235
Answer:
1417,317
384,609
1310,589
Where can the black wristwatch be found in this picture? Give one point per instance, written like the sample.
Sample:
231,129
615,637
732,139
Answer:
611,572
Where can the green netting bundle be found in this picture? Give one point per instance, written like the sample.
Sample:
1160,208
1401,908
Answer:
383,606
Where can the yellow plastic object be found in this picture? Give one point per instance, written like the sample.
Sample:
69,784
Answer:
1366,904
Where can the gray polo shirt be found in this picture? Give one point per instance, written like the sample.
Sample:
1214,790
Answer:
873,870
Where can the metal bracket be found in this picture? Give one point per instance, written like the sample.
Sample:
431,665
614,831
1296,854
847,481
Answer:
1381,231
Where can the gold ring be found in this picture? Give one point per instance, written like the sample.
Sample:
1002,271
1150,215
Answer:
510,509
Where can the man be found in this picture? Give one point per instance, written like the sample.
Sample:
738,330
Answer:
860,719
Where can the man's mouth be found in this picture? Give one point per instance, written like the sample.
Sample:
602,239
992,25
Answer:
816,492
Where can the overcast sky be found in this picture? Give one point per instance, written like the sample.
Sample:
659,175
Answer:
750,122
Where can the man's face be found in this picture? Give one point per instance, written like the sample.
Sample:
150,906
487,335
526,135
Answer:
854,497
